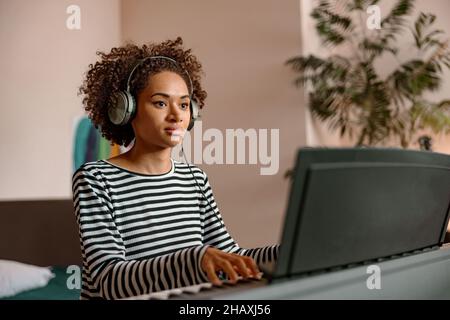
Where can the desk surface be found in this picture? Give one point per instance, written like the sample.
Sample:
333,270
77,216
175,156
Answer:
424,275
420,276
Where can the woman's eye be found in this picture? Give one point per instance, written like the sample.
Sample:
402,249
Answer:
184,106
159,104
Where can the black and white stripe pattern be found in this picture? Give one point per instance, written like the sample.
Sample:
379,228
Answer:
145,233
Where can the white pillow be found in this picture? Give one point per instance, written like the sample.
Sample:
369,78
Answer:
16,277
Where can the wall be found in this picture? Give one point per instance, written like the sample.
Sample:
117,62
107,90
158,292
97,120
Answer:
242,46
42,65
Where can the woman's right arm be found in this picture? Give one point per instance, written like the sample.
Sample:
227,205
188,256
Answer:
103,250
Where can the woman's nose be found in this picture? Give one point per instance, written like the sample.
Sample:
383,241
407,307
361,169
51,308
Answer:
175,113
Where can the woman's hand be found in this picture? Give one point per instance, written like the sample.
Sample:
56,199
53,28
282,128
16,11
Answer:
232,264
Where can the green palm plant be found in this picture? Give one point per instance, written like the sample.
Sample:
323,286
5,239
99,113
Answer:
350,95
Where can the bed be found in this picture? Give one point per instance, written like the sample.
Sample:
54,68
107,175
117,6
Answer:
42,233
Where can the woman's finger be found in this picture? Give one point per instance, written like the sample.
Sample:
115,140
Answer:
251,264
211,273
228,269
241,266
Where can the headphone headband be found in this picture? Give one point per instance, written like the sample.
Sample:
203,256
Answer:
191,87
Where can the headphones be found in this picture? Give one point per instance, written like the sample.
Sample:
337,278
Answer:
125,108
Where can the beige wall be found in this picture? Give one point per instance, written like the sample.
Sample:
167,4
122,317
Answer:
242,46
42,64
317,133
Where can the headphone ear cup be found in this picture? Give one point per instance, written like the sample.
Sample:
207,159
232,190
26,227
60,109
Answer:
124,109
131,111
194,114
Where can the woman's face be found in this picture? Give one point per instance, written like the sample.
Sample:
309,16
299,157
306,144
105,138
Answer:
163,111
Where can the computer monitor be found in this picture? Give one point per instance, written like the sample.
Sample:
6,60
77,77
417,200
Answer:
350,206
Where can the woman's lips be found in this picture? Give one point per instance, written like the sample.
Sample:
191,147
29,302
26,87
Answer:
176,133
173,130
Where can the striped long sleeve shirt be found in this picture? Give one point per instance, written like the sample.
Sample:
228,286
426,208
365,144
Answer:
145,233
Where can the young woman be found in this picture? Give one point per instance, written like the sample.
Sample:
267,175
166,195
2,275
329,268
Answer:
147,222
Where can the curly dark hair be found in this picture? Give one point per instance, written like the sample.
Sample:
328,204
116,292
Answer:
110,74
